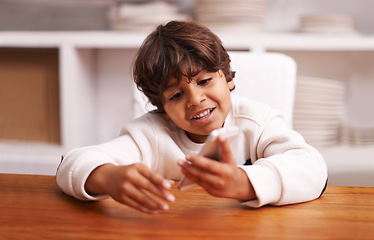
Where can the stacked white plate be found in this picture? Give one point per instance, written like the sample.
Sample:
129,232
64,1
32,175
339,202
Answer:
319,109
327,23
144,16
358,134
231,15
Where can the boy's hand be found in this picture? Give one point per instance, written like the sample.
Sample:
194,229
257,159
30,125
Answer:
219,178
134,185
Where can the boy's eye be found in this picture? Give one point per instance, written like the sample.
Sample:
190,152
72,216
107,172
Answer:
176,96
204,81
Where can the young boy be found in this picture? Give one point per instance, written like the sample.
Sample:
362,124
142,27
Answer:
185,72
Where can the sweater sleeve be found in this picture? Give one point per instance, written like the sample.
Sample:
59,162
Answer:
287,170
77,164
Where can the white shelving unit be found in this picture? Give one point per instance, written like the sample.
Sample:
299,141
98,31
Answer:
96,86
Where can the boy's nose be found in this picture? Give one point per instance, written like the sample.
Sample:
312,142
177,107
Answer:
195,98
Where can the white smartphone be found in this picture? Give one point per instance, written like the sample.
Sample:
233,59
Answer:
211,149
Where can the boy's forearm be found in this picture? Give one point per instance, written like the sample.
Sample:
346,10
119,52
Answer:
96,181
246,190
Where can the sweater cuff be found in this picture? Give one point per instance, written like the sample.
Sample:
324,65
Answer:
82,171
266,183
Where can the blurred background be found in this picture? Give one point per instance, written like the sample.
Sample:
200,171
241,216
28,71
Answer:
65,78
85,15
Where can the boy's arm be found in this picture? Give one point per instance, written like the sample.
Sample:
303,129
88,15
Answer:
78,164
130,185
287,170
113,169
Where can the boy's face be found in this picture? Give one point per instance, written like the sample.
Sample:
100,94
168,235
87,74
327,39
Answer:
198,106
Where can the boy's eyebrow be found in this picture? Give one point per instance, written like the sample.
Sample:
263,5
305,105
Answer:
171,84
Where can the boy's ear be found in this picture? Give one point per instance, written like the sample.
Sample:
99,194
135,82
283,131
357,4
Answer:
231,85
165,116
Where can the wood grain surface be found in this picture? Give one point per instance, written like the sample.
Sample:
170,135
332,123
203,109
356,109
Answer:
32,207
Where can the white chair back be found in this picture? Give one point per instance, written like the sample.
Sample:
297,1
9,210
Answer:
266,77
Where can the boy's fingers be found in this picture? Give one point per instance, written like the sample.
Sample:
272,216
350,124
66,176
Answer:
136,205
225,150
155,178
142,201
201,176
155,184
201,163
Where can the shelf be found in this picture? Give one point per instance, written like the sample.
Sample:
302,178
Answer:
350,165
29,158
231,40
96,87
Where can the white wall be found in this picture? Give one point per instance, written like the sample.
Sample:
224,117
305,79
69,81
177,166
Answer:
114,94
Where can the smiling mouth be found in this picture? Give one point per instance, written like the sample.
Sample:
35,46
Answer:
203,114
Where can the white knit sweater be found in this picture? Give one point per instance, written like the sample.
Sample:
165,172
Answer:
284,168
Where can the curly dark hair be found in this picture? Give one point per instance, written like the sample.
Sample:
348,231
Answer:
175,50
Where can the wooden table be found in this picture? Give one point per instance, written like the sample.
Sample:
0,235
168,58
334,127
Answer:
32,207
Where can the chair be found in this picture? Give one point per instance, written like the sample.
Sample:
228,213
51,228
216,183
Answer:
266,77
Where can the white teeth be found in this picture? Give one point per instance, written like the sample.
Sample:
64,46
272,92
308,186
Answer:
203,114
